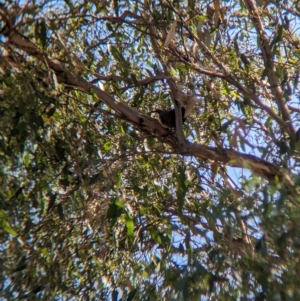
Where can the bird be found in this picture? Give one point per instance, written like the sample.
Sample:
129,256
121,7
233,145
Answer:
167,118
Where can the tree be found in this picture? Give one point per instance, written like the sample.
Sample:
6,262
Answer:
99,201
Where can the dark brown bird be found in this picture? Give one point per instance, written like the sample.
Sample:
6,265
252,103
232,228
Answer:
167,118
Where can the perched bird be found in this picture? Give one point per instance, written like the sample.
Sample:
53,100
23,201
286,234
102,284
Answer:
167,118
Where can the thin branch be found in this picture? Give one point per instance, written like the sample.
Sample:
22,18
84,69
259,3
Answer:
147,124
269,63
142,82
231,79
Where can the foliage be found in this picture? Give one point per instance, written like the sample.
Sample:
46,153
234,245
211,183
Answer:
98,201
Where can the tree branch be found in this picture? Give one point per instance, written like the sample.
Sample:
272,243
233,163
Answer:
269,63
286,126
145,123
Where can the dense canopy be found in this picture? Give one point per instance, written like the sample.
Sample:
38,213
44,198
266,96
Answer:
99,201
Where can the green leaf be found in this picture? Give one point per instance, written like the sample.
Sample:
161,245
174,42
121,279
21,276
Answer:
129,225
279,35
8,228
119,180
109,26
26,158
181,187
107,146
5,225
115,209
41,32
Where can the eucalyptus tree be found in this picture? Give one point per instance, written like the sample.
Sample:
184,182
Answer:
100,200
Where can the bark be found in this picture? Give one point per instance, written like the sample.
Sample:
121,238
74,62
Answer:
143,122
